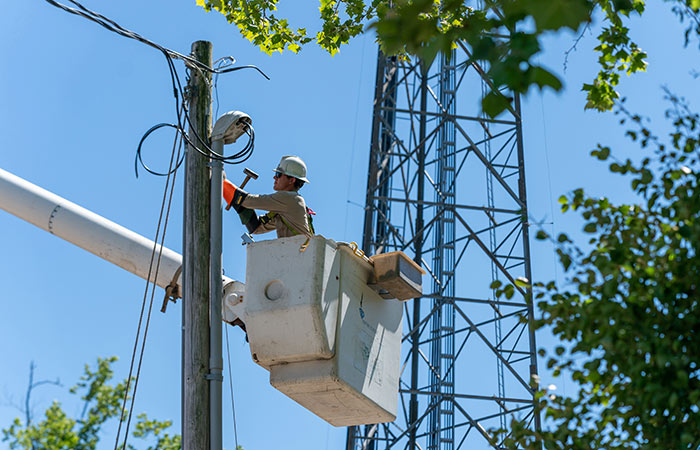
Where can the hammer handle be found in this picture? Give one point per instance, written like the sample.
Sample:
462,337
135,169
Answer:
245,181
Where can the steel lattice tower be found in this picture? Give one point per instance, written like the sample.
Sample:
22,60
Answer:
447,186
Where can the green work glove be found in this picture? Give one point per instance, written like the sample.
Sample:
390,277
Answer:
248,218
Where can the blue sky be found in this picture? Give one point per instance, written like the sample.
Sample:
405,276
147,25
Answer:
74,102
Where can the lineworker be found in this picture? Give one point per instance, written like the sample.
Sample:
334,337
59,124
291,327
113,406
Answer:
287,211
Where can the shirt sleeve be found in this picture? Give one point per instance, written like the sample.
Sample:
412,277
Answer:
277,202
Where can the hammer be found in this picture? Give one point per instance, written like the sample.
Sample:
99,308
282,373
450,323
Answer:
248,175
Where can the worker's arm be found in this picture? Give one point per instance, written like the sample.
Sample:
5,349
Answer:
256,224
264,226
276,202
234,196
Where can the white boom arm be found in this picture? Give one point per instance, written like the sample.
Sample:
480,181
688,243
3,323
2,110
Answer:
87,230
305,326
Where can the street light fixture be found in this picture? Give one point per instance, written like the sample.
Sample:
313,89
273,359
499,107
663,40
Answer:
230,126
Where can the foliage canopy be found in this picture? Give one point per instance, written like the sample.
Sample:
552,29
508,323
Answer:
422,28
101,403
629,309
630,306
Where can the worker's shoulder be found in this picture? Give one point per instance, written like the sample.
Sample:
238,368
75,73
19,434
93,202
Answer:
290,199
299,199
288,196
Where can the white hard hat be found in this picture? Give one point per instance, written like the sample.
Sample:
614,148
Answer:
293,166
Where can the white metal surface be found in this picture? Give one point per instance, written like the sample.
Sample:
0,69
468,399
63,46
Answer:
331,342
291,300
232,305
230,126
87,230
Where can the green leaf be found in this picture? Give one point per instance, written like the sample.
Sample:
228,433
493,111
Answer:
590,227
623,5
626,313
494,104
602,153
102,403
565,261
522,282
544,78
557,14
509,291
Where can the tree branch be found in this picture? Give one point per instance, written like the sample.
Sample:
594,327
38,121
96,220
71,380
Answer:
575,44
27,410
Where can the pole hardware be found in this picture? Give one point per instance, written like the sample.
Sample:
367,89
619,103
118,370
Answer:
172,291
227,129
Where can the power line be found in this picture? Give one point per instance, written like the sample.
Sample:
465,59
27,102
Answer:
178,92
167,196
175,162
138,152
111,25
230,381
220,63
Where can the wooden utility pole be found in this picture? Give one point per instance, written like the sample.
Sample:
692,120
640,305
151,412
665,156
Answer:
196,237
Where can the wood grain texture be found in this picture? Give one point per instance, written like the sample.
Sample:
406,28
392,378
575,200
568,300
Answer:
196,234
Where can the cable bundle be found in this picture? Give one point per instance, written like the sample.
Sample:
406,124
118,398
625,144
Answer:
181,109
223,65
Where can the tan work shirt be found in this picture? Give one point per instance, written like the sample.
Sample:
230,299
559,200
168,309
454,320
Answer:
288,205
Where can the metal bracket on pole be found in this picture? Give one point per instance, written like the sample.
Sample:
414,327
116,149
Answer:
172,291
212,376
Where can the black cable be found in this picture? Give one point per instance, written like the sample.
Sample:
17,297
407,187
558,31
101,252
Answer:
237,158
179,95
230,382
219,64
167,193
178,91
138,158
233,69
116,28
153,291
181,109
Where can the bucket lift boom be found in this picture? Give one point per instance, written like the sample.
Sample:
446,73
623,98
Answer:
320,316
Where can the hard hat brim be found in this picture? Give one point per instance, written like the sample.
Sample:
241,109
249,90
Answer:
304,179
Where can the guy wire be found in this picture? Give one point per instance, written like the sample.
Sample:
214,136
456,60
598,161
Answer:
237,158
166,195
230,382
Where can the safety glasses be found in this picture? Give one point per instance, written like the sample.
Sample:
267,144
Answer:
277,174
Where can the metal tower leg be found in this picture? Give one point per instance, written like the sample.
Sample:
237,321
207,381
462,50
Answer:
447,185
